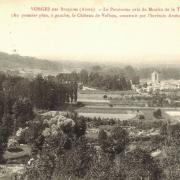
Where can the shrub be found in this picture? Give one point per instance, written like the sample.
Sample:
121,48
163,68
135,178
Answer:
157,113
80,104
141,116
13,145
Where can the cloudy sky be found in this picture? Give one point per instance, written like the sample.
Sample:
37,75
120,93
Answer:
148,40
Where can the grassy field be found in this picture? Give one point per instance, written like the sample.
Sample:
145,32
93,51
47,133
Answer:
98,94
106,92
109,115
103,109
96,106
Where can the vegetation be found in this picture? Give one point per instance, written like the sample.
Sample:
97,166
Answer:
64,155
18,98
16,61
157,113
143,147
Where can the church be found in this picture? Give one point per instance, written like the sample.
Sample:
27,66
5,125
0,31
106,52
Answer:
155,77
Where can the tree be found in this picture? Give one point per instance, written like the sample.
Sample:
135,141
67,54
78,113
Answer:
80,127
103,139
174,133
84,76
138,164
74,76
22,112
4,135
131,74
37,91
96,69
115,143
120,138
1,105
102,135
8,123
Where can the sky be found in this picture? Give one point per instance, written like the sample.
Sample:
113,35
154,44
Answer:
146,41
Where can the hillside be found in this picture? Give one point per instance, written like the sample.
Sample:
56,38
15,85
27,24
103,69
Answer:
26,66
18,63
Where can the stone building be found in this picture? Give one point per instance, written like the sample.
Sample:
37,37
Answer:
155,77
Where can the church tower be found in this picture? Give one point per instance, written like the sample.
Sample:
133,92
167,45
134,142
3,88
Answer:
155,77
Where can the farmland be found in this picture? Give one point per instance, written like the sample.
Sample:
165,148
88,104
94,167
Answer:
108,115
97,106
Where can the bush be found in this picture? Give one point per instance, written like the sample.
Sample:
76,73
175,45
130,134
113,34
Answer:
157,113
80,104
141,116
15,149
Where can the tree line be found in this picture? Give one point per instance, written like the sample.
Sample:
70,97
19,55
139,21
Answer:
97,77
19,96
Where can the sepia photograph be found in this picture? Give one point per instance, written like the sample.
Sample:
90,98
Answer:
89,90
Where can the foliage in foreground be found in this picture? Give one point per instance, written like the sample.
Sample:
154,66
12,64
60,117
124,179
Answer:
66,153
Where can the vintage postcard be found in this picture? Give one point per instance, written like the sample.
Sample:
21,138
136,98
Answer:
89,90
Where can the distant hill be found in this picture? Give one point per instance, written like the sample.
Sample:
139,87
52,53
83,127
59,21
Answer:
17,62
27,66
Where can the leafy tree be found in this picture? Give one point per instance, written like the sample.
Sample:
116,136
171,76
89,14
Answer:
132,74
8,123
37,91
80,127
138,164
102,136
4,135
120,138
1,105
22,112
84,76
104,141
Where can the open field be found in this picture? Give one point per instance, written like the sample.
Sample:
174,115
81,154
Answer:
96,106
173,113
104,109
98,94
108,115
108,92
